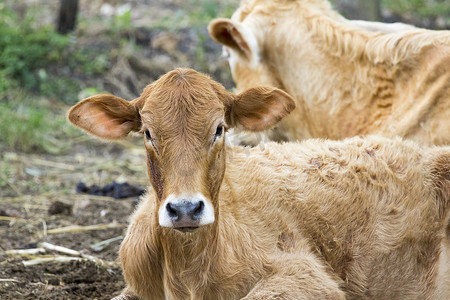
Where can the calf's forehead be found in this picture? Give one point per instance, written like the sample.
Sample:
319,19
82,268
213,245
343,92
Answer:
182,97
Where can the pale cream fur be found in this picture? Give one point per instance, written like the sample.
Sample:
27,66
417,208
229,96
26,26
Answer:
347,78
382,27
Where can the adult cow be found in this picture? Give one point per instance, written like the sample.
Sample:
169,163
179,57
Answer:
347,77
362,218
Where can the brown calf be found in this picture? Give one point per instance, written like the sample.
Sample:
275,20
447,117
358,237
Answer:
347,77
361,218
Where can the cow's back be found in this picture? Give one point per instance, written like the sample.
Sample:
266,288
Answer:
368,207
347,80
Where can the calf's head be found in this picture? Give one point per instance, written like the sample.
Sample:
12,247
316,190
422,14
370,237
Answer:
183,117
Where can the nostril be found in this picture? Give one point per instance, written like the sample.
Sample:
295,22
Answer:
199,209
184,211
173,214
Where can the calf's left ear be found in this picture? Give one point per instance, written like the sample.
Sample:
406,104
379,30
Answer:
259,108
106,116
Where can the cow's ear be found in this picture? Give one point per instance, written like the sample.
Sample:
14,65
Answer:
106,116
258,109
235,36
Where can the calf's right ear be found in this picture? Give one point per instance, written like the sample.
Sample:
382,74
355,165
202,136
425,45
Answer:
258,109
105,116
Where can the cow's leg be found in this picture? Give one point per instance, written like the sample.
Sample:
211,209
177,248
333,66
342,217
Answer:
126,295
141,259
297,277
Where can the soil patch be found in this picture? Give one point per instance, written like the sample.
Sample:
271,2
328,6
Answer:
42,206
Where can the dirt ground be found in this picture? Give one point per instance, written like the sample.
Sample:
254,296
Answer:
63,218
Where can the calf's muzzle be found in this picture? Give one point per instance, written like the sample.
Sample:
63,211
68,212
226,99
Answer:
186,213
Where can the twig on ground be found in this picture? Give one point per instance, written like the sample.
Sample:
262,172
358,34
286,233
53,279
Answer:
103,244
12,219
44,246
15,199
44,227
35,206
93,197
23,198
72,252
24,251
10,184
77,228
61,249
48,163
18,199
8,280
50,259
43,260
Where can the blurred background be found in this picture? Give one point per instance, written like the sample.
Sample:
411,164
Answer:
54,53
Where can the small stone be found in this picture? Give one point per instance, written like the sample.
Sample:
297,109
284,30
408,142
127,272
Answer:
59,207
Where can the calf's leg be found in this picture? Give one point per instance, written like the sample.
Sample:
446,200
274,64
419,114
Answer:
297,277
126,295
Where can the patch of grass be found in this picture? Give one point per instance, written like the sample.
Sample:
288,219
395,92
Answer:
24,50
197,13
423,8
4,172
122,21
40,61
61,88
88,61
200,55
27,126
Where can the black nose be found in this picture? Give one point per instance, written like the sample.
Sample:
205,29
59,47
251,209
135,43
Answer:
185,213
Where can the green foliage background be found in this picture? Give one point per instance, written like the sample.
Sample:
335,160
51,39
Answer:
25,50
422,8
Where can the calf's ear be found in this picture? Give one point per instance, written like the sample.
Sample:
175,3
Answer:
106,116
235,36
259,109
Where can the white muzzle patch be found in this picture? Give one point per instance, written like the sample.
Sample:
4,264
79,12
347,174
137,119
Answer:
185,211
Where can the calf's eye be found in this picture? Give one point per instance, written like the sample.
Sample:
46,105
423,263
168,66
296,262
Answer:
219,130
147,135
218,133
